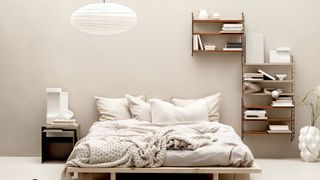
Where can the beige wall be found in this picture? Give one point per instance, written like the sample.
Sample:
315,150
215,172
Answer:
39,49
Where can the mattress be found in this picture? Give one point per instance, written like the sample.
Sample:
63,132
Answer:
204,156
128,143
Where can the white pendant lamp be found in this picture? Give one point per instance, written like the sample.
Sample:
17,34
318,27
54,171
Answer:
103,18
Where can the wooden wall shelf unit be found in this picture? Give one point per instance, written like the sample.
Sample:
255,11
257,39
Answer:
278,115
214,30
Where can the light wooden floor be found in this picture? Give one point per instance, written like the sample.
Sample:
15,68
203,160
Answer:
28,168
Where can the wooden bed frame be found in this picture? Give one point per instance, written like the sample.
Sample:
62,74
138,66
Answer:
241,173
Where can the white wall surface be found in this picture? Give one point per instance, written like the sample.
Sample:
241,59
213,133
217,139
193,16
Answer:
39,49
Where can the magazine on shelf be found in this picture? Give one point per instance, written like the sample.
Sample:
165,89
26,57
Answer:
200,42
195,42
266,74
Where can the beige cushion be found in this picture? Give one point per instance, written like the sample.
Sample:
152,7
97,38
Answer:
139,109
213,104
166,113
114,108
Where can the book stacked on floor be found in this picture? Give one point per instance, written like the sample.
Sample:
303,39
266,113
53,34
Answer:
232,28
253,76
64,123
279,129
197,42
255,114
283,102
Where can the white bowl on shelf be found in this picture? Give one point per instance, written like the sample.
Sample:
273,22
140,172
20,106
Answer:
281,77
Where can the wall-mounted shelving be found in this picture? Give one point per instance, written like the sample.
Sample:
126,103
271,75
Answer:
284,115
215,31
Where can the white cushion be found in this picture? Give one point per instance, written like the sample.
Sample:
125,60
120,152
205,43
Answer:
166,113
139,109
114,108
213,104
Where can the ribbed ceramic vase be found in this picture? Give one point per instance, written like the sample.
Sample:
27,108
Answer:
309,143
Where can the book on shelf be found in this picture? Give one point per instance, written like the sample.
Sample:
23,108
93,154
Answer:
253,78
268,76
279,104
232,49
255,117
283,102
209,47
232,25
255,114
233,45
231,31
258,75
232,28
195,42
200,42
279,127
279,132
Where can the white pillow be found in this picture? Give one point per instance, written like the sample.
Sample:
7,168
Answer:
166,113
213,103
114,108
139,109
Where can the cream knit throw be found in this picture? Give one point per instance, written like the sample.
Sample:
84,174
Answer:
136,151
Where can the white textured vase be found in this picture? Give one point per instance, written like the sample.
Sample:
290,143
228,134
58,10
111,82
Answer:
309,143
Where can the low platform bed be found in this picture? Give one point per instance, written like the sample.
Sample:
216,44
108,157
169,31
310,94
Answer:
240,173
113,147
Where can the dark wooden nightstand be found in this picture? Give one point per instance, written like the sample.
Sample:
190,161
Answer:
57,142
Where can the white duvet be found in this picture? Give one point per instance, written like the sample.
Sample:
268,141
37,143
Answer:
128,143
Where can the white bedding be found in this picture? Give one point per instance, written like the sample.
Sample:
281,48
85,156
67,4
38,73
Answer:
207,144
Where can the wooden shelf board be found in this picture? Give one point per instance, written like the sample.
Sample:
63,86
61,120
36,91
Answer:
219,51
216,33
218,21
271,81
265,132
271,120
268,64
266,107
265,94
255,132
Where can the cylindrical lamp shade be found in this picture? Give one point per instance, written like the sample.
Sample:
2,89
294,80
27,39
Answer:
103,19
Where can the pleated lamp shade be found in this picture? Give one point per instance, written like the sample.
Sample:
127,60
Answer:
103,19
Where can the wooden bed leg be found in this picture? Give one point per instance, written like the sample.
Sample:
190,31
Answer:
215,176
85,176
242,177
112,176
69,176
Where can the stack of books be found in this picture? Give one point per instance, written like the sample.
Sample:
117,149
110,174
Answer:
279,129
210,47
232,28
283,102
253,76
233,46
64,123
255,114
197,42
